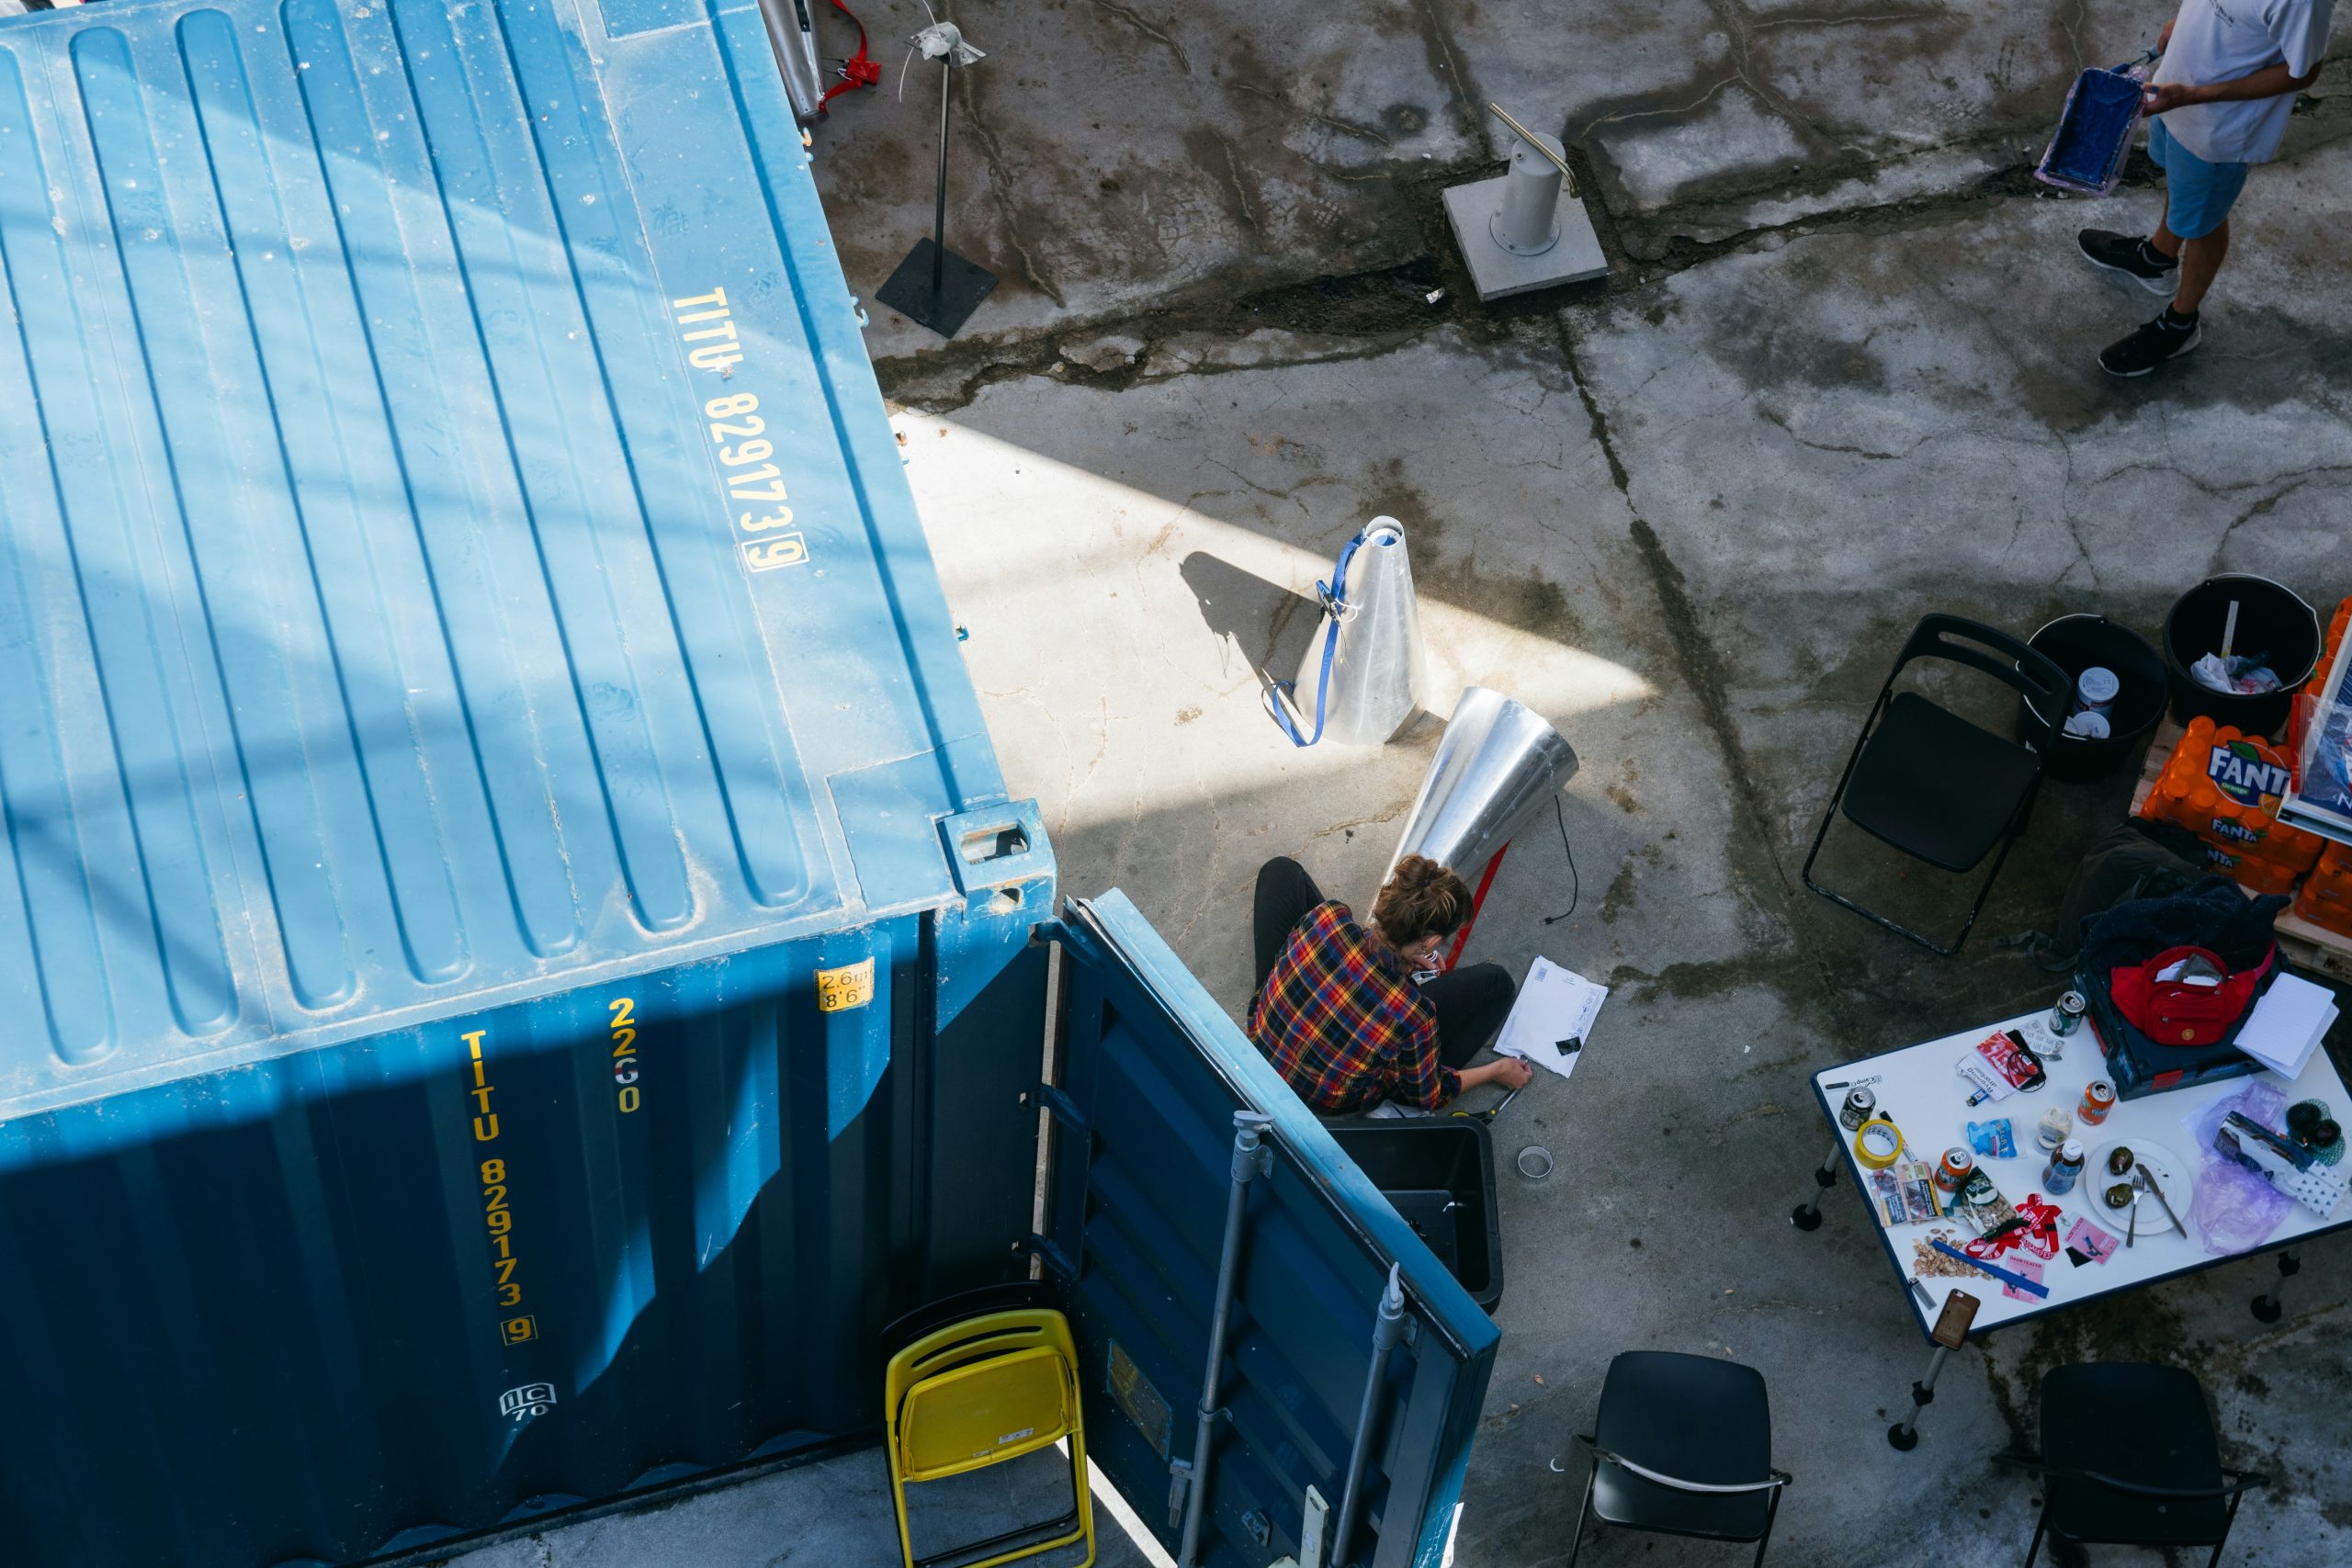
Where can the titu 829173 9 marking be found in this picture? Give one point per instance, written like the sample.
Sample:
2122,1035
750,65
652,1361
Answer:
755,485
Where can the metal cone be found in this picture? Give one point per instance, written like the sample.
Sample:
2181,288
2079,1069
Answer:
1378,677
1494,770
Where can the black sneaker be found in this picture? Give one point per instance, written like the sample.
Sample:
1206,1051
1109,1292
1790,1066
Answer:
2150,346
2130,255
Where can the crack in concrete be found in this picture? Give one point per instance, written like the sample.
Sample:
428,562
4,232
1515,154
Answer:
1240,188
1002,187
1347,127
1468,104
1136,22
1701,669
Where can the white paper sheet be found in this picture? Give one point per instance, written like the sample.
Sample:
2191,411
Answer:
1554,1005
2287,1024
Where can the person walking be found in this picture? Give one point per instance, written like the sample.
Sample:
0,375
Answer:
1338,1012
2217,104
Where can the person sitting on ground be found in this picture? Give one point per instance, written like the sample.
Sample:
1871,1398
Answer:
1336,1009
2219,102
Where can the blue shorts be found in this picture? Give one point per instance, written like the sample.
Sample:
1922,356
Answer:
2198,195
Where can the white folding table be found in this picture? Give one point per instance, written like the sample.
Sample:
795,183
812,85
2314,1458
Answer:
1919,1090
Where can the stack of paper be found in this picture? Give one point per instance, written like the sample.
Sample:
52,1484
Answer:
1553,1017
2287,1025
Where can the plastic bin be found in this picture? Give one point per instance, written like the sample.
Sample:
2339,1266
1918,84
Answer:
2076,643
2272,620
1439,1175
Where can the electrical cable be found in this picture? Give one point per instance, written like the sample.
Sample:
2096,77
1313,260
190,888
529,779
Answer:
1575,884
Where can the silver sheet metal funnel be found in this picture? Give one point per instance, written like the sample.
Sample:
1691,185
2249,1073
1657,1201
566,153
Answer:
1378,670
1494,770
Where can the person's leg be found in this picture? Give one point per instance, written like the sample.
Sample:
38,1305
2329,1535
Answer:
2151,261
2200,259
1471,1004
1284,894
2198,197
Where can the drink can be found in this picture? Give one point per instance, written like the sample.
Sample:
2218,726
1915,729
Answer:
2068,1015
1860,1106
2098,1098
1954,1169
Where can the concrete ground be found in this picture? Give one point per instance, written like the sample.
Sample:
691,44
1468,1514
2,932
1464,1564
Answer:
1842,374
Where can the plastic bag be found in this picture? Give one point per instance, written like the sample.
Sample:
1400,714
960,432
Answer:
2236,1210
2246,674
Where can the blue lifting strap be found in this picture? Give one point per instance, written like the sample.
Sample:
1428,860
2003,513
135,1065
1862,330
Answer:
1334,595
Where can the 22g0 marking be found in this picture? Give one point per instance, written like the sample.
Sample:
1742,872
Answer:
624,1013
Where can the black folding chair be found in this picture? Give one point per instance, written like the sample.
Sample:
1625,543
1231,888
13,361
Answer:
2148,1468
1935,786
1682,1446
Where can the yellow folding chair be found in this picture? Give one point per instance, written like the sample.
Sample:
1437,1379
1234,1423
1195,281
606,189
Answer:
983,1391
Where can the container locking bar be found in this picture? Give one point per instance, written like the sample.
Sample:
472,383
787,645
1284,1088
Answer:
1252,1157
1387,1329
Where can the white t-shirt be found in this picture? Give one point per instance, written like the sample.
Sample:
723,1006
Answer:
2220,41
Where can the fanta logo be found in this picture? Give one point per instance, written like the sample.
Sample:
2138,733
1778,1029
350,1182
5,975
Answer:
2249,774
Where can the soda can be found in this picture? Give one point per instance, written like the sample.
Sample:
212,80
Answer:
2068,1015
1954,1169
1860,1106
2098,1098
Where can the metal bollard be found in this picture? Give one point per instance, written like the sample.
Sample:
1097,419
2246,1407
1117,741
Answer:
1529,221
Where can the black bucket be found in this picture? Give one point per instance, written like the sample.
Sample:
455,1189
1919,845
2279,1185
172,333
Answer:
1438,1173
2272,621
2076,643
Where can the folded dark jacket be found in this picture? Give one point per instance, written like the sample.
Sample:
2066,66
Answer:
2212,914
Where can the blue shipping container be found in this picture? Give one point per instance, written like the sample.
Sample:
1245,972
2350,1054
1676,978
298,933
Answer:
487,771
524,961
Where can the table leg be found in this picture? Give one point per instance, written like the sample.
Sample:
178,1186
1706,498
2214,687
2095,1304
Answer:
2267,1306
1904,1434
1806,1216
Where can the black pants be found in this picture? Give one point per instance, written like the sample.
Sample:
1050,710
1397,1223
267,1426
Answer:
1470,1003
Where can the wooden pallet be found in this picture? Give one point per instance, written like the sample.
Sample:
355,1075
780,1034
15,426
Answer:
2306,946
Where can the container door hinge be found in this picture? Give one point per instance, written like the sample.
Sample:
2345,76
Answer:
1179,1481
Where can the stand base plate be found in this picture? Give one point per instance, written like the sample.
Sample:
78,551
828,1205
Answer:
963,285
1494,271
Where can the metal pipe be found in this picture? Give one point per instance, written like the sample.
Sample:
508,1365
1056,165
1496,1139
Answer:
939,209
1251,1158
1387,1329
1558,158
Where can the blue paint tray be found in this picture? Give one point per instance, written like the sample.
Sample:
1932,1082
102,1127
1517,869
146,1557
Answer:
2094,134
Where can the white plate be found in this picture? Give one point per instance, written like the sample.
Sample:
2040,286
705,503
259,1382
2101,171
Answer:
2169,1173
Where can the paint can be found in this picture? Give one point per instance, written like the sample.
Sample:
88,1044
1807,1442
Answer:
1954,1169
2068,1015
1860,1106
1534,1162
2096,690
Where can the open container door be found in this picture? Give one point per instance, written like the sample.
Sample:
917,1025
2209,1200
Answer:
1142,1156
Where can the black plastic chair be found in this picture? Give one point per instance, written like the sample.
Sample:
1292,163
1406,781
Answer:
2150,1470
1682,1446
1941,789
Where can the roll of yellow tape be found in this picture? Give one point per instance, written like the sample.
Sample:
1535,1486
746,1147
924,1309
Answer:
1877,1143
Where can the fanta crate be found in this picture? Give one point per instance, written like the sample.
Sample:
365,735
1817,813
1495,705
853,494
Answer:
2301,944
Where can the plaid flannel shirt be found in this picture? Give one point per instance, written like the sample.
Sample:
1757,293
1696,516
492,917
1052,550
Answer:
1341,1021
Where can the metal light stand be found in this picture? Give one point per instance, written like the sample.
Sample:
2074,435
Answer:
934,286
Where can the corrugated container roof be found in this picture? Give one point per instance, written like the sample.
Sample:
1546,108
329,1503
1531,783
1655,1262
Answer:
455,549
